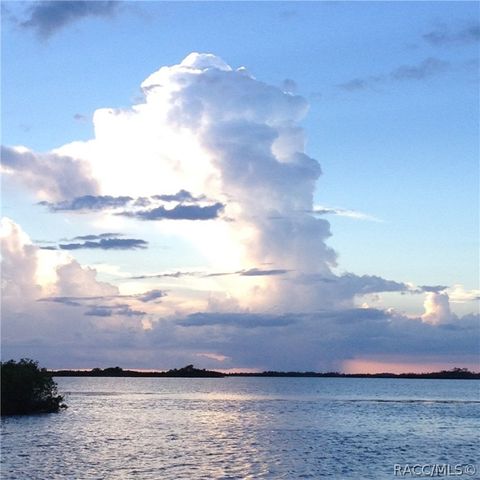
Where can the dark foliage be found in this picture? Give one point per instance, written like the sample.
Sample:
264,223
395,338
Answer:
26,388
189,371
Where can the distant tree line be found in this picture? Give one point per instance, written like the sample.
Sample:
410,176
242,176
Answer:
455,373
191,372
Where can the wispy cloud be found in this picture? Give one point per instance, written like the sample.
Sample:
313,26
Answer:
446,36
48,17
165,275
427,68
343,212
251,272
88,202
106,244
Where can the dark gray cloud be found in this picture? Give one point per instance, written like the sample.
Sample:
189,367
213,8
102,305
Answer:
353,315
444,36
186,208
69,301
107,244
74,301
99,312
110,310
364,284
48,17
258,272
180,196
427,68
103,241
350,284
88,202
57,176
151,295
432,288
142,202
77,301
179,212
165,275
240,320
98,236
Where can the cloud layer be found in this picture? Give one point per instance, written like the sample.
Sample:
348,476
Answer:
85,322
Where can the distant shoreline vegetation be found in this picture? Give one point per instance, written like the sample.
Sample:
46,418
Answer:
191,372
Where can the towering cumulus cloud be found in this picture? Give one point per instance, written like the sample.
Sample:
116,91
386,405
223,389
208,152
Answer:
220,132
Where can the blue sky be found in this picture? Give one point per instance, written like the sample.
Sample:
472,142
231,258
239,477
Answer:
392,94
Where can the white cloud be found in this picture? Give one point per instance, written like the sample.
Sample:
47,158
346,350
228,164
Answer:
214,131
19,263
437,308
30,275
458,294
75,280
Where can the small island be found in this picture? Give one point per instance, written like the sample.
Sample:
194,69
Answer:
26,388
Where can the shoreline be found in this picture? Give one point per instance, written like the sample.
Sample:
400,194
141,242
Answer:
191,372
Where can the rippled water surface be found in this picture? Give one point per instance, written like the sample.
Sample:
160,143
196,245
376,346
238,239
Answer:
244,428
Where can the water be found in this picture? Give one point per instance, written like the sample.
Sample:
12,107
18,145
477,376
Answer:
244,428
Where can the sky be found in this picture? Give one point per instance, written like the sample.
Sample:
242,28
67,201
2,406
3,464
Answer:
241,185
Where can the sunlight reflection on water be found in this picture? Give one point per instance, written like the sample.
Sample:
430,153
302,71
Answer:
243,428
